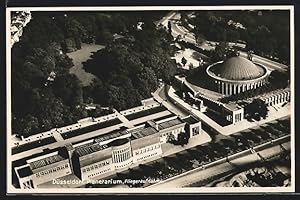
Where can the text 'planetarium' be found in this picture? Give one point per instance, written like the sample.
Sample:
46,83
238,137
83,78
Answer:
236,75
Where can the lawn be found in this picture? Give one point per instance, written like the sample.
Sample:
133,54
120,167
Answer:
80,56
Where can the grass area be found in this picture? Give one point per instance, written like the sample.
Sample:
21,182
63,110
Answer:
79,57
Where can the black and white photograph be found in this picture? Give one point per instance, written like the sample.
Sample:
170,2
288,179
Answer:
150,99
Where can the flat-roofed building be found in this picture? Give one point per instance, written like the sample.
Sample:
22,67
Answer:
145,143
192,126
233,113
43,169
121,153
106,154
91,160
170,126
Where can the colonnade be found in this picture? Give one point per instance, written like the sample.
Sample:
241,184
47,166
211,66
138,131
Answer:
228,88
277,98
121,155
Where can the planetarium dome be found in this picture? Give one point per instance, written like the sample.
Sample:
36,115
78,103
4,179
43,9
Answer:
235,75
237,68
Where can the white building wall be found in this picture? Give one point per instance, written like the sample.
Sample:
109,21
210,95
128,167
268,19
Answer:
96,169
51,173
147,152
165,134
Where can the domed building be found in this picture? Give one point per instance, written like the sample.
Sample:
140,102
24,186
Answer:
235,75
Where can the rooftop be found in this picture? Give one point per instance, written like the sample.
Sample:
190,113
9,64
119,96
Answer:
25,171
119,142
232,106
168,124
89,149
46,161
110,135
237,68
142,132
190,120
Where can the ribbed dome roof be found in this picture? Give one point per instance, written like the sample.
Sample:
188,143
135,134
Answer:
238,68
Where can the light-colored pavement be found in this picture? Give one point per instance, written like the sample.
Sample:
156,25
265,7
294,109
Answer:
123,119
159,96
169,149
233,128
57,136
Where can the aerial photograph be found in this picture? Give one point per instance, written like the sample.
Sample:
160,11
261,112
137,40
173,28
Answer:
153,99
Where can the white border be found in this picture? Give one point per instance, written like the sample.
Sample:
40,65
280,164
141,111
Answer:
12,190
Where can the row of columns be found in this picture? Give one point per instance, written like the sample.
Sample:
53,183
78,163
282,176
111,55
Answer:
121,157
231,88
279,98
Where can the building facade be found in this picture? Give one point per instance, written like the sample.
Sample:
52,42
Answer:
107,154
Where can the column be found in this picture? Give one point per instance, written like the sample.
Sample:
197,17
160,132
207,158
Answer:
234,89
230,89
223,91
233,117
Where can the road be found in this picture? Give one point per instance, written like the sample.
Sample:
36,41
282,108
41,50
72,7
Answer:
189,37
269,149
161,94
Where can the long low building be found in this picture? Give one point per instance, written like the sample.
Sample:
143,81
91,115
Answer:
107,154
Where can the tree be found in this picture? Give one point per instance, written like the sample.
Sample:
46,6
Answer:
221,51
183,138
279,79
183,61
257,108
169,27
25,126
69,89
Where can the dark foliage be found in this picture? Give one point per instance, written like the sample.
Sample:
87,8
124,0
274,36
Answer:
127,69
265,32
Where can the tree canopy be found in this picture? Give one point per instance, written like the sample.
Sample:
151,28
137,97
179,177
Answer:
45,95
267,33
